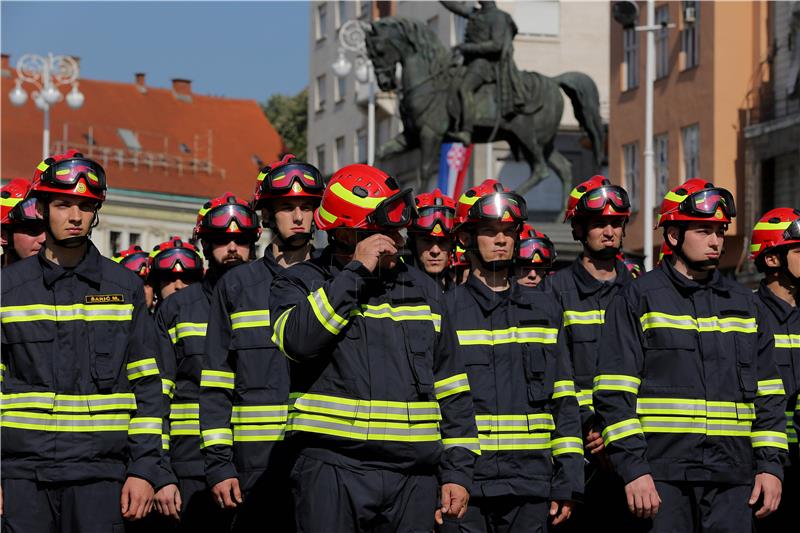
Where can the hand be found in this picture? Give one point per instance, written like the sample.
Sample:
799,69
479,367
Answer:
643,498
227,494
770,487
137,498
454,502
594,442
370,250
168,501
566,510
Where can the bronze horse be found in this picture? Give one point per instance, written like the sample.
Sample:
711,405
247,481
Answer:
429,103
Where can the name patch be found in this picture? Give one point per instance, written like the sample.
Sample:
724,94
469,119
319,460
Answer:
104,299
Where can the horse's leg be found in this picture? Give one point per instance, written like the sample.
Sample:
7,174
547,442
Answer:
563,168
429,144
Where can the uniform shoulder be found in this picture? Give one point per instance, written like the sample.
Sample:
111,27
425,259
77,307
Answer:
302,273
427,284
21,272
240,274
117,274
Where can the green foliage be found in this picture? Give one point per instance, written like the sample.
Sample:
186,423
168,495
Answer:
289,115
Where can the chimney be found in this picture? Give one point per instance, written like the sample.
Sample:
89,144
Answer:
180,86
6,67
139,79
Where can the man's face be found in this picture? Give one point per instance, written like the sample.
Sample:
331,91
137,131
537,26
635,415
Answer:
775,259
70,216
495,240
433,252
169,285
702,242
230,249
604,232
292,215
28,238
531,277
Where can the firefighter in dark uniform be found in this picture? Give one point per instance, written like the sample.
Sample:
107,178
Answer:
81,391
228,229
511,340
135,259
22,227
597,211
431,238
535,258
687,391
381,414
244,388
775,249
173,265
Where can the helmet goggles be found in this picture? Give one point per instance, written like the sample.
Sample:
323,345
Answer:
169,260
283,178
65,174
136,262
397,211
500,206
792,233
24,211
537,250
223,218
438,214
705,203
596,200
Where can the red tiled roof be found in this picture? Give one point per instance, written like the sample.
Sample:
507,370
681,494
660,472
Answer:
229,133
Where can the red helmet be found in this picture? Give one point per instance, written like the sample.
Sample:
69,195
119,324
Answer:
778,227
535,248
459,258
437,214
70,173
288,178
664,252
364,197
697,200
15,208
598,196
490,201
175,257
227,214
134,258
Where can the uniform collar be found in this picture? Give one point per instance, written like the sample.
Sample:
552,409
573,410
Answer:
782,310
88,268
716,283
209,282
486,297
588,284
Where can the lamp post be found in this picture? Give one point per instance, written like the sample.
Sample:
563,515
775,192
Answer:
46,74
352,38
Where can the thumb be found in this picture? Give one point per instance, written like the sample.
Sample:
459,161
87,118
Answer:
438,516
756,492
553,508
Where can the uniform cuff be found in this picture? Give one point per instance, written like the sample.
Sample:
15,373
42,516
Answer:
221,473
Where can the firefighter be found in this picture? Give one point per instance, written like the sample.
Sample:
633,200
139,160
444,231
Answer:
244,388
430,237
530,471
775,250
381,414
597,211
22,226
81,391
136,260
536,256
687,391
173,265
228,229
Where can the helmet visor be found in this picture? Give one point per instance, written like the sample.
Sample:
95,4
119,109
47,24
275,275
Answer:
537,250
597,199
136,262
397,211
500,206
222,218
704,204
65,174
792,233
169,260
284,177
430,216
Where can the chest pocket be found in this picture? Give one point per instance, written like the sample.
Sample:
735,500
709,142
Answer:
190,365
746,368
27,353
419,344
537,337
108,343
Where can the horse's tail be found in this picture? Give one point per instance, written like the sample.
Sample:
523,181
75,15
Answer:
585,99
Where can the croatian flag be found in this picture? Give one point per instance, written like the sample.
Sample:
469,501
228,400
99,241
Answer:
453,166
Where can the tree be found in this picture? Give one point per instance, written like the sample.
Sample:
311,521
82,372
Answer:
289,115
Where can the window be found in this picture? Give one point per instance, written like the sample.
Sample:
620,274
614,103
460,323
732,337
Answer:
340,161
662,42
185,148
341,13
661,149
130,139
690,53
691,151
631,59
433,24
538,18
340,89
364,9
321,158
320,95
459,25
114,241
361,146
134,238
322,20
630,154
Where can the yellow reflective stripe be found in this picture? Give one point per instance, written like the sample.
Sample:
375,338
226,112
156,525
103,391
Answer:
450,386
68,403
167,387
655,319
787,341
64,423
497,442
595,316
189,329
770,386
470,443
773,439
141,368
697,425
791,433
531,422
674,197
184,411
400,313
144,426
341,191
325,313
563,388
365,409
173,335
475,337
250,319
61,313
617,382
185,428
221,436
254,414
364,430
259,432
10,202
584,398
327,216
772,225
2,372
696,408
217,378
622,429
165,442
278,331
566,445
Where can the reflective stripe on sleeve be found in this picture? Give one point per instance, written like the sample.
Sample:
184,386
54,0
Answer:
141,368
773,439
189,329
250,319
325,313
622,429
770,386
563,388
221,436
472,444
450,386
617,382
217,378
566,445
145,426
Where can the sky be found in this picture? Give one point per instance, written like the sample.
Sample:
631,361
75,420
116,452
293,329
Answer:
232,49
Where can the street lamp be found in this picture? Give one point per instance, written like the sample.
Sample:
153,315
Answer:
627,14
352,38
46,74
